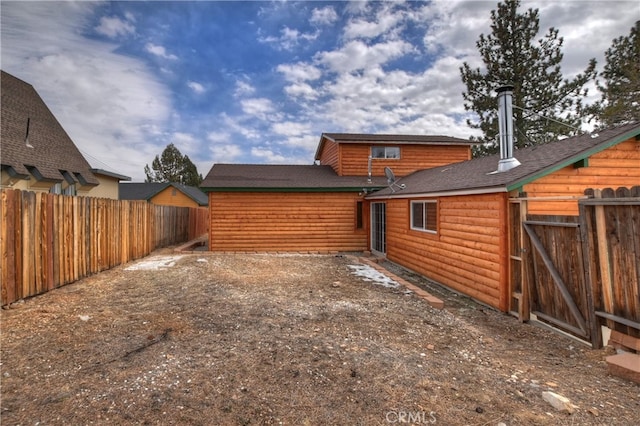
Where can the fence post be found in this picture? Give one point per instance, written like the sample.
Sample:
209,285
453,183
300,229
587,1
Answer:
590,283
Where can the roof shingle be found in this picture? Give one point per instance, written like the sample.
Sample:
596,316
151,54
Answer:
52,150
538,160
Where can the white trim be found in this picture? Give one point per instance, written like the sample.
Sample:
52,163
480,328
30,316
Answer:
438,194
424,217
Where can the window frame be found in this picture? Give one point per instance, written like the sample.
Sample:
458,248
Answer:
385,152
426,226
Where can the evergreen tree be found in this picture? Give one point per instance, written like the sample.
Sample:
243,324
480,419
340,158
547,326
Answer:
172,166
546,106
620,101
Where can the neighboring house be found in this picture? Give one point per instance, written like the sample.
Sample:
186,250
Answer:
164,194
315,208
454,223
109,184
36,154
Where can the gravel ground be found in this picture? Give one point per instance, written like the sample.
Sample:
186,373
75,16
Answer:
287,339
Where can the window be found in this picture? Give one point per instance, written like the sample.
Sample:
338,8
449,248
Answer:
57,189
359,219
424,216
385,152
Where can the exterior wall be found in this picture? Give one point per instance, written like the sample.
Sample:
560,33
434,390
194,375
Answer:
330,155
171,196
292,221
33,185
354,158
108,188
612,168
468,253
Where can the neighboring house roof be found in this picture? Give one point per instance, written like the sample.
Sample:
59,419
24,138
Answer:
361,138
110,174
476,175
33,141
147,190
266,177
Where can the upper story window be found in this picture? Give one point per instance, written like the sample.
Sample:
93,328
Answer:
385,152
424,216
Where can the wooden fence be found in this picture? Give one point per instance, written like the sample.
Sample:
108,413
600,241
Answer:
610,222
48,240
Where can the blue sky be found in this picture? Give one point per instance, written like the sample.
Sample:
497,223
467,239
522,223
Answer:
258,82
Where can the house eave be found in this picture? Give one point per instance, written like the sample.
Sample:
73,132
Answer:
572,160
288,189
476,191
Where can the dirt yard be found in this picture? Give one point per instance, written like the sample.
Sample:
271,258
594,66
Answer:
291,340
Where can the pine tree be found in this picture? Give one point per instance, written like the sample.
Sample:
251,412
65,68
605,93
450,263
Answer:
620,102
172,166
546,106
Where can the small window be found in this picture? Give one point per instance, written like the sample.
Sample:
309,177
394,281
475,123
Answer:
424,216
174,192
359,220
387,152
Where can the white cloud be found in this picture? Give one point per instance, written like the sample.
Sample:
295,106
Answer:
268,156
243,88
185,142
159,51
234,125
325,16
357,55
289,38
299,72
290,128
386,20
225,153
110,105
196,87
302,90
114,27
257,107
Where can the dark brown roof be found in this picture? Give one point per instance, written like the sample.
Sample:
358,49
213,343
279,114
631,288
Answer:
361,138
53,150
147,190
537,161
248,177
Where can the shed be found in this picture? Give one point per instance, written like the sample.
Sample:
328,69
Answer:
164,194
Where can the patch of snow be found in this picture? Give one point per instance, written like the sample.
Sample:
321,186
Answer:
370,274
202,260
155,263
84,317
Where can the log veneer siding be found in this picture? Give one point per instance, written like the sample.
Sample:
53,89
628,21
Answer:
469,251
274,222
614,167
353,159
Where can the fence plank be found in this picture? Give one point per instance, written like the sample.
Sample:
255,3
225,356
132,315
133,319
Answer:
50,240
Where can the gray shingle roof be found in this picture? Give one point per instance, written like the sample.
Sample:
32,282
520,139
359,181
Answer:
536,161
282,177
147,190
53,150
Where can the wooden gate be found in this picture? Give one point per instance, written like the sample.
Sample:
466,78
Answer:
558,292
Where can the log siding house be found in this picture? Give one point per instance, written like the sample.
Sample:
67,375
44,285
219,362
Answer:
469,249
315,208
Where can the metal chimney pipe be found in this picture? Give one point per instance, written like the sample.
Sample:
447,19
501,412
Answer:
505,125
